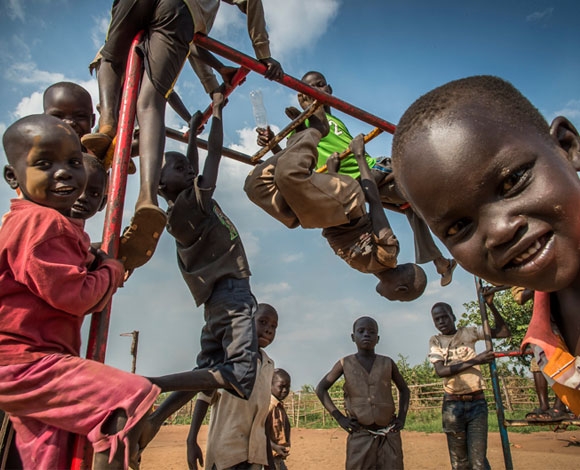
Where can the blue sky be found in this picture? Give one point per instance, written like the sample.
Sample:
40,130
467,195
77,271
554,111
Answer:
377,54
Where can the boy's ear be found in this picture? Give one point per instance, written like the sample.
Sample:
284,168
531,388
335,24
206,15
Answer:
566,135
106,195
329,89
93,119
10,176
352,337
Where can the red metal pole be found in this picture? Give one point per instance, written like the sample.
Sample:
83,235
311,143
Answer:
291,82
97,343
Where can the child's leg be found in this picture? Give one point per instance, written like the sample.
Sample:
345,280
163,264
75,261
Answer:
151,116
319,200
261,190
74,395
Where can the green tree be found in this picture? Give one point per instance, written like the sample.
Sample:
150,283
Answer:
517,317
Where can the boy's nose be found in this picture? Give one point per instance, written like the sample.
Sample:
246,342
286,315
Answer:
62,174
502,229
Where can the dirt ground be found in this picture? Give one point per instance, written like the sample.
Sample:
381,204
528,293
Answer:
324,449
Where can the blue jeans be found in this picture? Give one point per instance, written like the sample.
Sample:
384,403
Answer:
465,424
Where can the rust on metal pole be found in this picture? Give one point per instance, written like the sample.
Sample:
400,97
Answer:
99,330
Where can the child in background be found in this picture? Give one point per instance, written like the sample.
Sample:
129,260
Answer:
72,104
50,281
94,197
509,187
278,423
374,440
237,437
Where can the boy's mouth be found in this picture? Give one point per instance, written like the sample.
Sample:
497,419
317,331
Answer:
531,253
64,190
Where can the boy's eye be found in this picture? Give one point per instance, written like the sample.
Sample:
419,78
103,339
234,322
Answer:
458,227
514,179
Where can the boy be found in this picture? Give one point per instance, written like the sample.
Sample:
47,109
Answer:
213,263
94,197
373,427
337,140
71,103
169,27
286,187
278,423
464,413
237,437
516,221
50,281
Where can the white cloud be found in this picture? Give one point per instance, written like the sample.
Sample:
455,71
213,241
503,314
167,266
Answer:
265,290
538,16
295,25
99,30
293,257
29,105
292,25
570,111
28,73
16,10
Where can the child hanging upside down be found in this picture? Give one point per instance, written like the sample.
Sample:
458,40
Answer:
287,187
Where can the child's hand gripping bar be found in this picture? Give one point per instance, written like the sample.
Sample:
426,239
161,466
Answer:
289,128
367,138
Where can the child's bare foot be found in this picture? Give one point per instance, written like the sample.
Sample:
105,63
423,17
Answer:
333,163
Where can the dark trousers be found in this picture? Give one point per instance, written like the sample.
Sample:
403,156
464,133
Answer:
465,424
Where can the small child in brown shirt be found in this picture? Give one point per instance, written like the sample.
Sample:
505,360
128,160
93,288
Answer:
277,422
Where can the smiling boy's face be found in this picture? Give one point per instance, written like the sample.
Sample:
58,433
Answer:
49,170
504,201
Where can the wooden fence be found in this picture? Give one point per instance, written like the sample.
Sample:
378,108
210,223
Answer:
305,410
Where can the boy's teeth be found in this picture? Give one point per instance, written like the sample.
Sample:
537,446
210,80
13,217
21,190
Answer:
532,250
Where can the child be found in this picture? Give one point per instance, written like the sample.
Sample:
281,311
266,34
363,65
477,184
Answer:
464,411
515,222
71,103
278,423
286,187
169,26
213,263
237,437
374,440
94,197
50,281
337,140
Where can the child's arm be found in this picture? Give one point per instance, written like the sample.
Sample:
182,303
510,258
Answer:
194,453
447,371
500,328
404,397
350,425
276,448
381,226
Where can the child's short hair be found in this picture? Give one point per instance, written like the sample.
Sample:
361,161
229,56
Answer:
266,308
94,163
70,86
281,374
364,318
510,106
405,282
19,136
445,306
